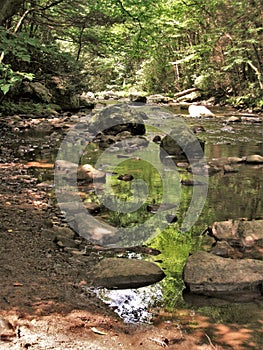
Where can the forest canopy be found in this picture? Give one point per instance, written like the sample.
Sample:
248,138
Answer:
152,46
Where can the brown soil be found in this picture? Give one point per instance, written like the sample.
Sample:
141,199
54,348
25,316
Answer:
42,301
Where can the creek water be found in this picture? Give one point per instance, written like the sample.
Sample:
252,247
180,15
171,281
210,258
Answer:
229,196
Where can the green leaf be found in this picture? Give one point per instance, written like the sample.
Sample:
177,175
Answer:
5,88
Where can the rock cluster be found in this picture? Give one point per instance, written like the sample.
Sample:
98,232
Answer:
235,264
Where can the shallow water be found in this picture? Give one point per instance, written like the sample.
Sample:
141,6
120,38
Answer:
229,196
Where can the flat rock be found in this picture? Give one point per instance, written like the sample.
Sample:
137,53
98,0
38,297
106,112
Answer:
208,274
254,159
120,273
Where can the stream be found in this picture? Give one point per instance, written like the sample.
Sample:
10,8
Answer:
229,196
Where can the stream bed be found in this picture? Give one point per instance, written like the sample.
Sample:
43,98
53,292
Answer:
229,196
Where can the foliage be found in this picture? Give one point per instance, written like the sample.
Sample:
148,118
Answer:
161,46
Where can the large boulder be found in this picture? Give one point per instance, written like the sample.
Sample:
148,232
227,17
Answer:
36,92
66,93
208,274
182,144
116,119
120,273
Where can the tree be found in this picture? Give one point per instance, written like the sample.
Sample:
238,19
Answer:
8,9
161,46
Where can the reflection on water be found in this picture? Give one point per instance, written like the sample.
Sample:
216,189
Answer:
230,196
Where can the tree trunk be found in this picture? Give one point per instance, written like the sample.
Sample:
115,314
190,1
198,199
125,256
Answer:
8,8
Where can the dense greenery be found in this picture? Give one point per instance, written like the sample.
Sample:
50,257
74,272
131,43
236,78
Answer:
155,46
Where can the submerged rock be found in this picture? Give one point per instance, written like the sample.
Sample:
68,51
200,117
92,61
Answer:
125,177
208,274
120,273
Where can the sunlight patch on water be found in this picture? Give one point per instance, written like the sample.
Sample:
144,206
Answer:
132,305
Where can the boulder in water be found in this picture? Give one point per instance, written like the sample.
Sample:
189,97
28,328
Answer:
198,111
208,274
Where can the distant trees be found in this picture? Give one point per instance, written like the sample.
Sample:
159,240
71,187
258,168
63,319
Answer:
158,46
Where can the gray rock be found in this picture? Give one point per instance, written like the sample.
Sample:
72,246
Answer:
37,92
208,274
118,118
94,229
181,143
120,273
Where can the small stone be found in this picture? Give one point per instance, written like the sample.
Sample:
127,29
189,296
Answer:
233,119
125,177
